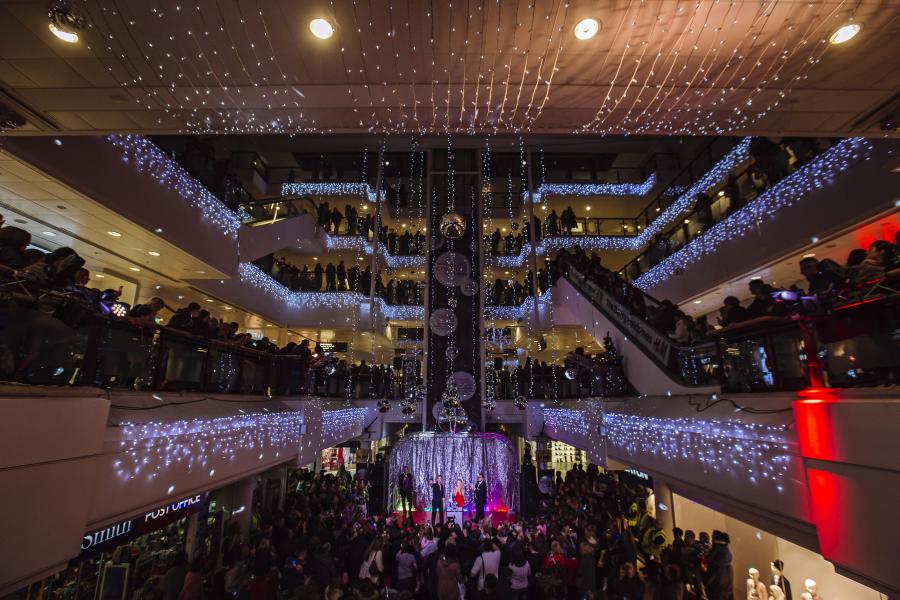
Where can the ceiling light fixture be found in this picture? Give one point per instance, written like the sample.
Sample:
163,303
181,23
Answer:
153,253
114,233
321,28
587,28
48,233
65,22
845,33
135,269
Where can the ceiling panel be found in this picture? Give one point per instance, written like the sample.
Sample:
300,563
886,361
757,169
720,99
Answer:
656,66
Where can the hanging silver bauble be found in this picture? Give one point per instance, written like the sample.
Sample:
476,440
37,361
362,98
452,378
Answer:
408,408
452,352
330,369
464,384
520,402
384,406
452,302
488,403
450,397
443,322
514,226
452,268
453,225
571,373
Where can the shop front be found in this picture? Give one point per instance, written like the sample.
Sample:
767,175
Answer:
767,566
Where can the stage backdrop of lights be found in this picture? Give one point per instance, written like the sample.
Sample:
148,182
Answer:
458,456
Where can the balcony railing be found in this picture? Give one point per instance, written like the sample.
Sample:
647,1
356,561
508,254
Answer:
851,341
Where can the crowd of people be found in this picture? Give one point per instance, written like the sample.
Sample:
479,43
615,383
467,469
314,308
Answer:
506,292
591,537
353,223
827,283
340,278
359,380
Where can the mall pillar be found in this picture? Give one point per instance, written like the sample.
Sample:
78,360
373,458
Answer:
241,509
663,505
191,547
453,309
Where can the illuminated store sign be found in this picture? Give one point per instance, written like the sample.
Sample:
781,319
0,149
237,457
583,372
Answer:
123,532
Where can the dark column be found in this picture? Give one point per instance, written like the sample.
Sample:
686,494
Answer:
455,185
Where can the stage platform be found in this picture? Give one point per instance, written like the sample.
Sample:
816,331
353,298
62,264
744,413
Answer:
424,516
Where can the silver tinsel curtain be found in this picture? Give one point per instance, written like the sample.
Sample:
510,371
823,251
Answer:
458,456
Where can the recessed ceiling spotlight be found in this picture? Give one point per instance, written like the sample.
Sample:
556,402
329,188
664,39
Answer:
57,142
99,275
587,28
153,253
65,22
845,33
135,269
321,28
48,233
809,255
114,233
698,301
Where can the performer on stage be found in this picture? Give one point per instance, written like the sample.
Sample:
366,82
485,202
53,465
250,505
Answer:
480,489
437,499
405,485
459,494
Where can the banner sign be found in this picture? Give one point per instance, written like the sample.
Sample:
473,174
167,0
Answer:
655,343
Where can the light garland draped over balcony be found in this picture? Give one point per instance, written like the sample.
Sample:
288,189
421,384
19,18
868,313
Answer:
250,273
592,189
514,313
146,157
815,175
363,190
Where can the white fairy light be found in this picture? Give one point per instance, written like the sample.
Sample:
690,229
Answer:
146,157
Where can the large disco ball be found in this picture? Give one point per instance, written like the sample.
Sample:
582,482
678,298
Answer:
453,225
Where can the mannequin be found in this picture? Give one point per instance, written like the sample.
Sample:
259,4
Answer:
812,589
775,593
756,589
780,581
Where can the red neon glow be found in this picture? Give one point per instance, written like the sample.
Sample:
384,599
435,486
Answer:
825,497
813,417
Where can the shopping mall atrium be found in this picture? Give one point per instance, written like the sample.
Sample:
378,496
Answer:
482,299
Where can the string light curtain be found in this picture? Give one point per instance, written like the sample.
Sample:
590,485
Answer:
458,456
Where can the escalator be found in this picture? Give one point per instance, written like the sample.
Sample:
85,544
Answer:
272,225
653,362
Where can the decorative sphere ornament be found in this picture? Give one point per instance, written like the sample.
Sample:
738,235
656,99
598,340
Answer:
571,373
443,322
384,406
452,269
330,369
452,352
453,225
514,226
488,403
452,302
521,402
408,408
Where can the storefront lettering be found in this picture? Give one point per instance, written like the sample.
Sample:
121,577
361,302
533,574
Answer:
176,506
106,534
